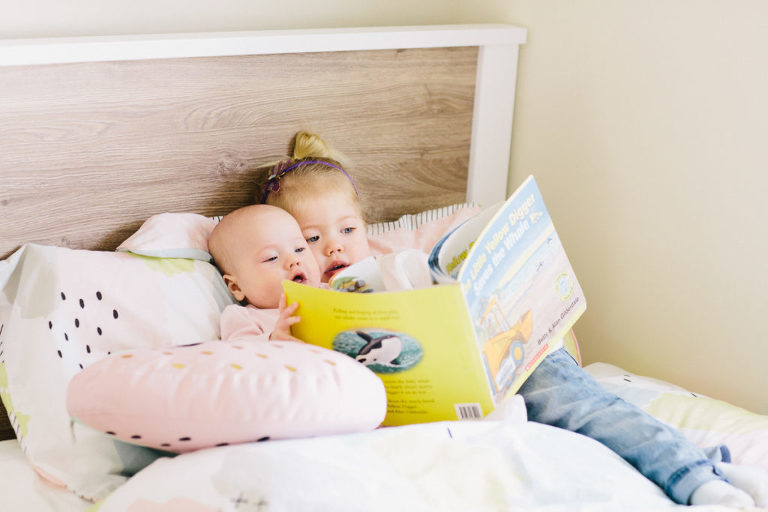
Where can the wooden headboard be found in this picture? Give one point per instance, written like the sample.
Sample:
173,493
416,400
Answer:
100,133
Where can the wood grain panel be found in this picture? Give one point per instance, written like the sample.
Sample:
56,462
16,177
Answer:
90,150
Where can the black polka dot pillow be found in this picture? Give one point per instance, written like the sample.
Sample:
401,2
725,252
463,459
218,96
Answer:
62,310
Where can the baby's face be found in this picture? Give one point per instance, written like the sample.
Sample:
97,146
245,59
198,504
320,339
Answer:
270,250
334,231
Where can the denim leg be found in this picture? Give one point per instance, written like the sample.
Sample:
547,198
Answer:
562,394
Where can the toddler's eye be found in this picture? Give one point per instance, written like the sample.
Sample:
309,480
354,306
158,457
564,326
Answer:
348,230
313,239
272,258
299,249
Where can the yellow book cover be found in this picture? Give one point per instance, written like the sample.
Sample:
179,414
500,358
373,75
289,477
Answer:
506,298
420,342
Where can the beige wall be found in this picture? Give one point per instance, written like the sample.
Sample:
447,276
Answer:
645,124
47,18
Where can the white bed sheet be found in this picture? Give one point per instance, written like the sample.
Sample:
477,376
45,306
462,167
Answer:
493,465
448,466
21,490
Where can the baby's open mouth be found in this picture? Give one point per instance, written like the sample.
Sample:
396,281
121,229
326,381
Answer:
299,278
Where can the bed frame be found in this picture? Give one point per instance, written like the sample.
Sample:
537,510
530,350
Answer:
99,133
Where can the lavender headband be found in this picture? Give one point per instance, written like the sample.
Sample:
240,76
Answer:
273,182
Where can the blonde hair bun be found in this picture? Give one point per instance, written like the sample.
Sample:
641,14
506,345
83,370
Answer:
308,145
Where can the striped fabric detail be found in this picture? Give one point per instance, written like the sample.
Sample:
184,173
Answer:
413,221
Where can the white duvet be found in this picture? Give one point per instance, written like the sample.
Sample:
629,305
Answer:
461,466
510,465
503,463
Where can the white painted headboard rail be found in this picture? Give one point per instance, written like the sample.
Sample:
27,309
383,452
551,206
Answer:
495,87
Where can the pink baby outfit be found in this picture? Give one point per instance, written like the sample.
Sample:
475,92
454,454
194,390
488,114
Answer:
238,321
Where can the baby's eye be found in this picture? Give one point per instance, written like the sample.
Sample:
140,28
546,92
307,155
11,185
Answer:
271,258
348,230
313,239
299,249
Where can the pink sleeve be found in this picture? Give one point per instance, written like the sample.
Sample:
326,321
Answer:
238,321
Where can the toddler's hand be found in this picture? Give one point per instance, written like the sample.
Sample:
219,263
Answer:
285,320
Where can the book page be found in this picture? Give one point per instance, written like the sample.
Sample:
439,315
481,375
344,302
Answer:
450,251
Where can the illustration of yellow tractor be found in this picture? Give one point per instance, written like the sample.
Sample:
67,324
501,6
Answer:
505,351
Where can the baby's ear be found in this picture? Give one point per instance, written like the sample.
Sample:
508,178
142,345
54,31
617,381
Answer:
234,288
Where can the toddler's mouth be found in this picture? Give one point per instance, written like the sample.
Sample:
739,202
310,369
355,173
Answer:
335,267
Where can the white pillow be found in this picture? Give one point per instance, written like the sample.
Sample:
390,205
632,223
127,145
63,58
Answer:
172,235
62,310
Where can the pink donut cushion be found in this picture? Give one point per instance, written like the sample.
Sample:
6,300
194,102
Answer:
215,393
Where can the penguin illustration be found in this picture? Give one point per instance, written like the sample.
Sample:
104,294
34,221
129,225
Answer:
382,350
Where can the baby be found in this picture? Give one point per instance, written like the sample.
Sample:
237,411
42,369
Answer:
256,248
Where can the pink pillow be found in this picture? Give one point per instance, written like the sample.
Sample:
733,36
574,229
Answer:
213,393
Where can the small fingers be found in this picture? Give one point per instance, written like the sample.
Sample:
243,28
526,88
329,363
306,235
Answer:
292,320
290,309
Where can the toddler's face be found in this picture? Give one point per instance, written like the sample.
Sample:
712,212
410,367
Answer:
334,231
270,250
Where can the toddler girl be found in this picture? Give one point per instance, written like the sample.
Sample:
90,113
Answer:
323,198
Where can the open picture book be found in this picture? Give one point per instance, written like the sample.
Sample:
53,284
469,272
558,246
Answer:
505,295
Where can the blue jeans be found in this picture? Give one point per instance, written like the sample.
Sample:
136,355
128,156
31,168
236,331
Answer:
562,394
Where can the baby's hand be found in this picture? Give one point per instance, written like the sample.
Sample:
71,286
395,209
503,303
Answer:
285,320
